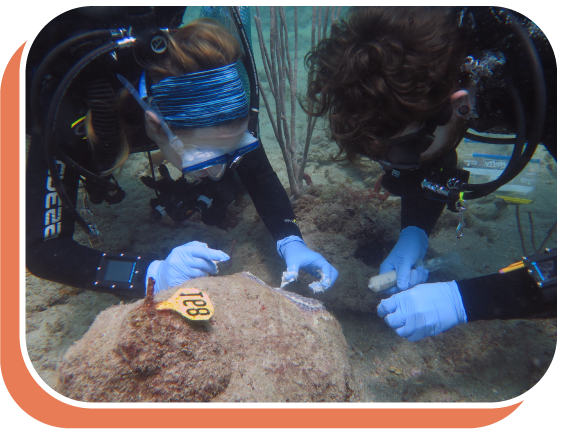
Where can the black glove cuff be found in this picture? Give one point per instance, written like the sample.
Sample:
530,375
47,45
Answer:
513,295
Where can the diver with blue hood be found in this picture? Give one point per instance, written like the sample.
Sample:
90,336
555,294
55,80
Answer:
104,82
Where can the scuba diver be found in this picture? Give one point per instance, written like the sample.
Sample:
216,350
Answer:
104,82
403,86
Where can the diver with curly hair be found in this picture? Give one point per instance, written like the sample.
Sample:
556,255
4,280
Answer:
402,86
110,81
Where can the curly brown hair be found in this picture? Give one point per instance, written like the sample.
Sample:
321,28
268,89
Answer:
381,69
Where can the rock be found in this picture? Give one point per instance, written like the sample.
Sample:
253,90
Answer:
488,212
261,344
41,294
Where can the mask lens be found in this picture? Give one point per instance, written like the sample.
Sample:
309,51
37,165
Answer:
215,172
203,158
203,165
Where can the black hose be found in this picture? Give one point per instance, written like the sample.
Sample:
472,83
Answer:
519,161
488,140
521,130
52,116
250,67
538,77
50,147
101,102
46,63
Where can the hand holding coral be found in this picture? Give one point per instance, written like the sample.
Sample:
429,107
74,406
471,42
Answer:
298,256
410,247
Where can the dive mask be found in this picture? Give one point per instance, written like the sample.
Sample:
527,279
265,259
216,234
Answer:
207,151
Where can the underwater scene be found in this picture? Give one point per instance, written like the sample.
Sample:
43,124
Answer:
299,343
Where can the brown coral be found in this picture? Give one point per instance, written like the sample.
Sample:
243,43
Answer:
260,345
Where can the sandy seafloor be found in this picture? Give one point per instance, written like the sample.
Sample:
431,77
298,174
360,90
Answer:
481,361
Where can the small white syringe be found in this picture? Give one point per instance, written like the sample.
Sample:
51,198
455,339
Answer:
389,279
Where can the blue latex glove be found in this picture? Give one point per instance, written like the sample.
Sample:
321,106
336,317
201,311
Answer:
410,247
298,256
185,262
424,311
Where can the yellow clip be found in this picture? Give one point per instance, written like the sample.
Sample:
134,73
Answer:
191,303
515,200
512,267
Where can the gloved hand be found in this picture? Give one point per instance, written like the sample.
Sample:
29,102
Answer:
410,247
177,198
298,256
185,262
424,311
163,185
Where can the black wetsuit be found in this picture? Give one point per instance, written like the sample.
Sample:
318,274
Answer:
51,252
499,295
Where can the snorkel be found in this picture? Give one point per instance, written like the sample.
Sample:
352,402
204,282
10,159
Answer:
167,151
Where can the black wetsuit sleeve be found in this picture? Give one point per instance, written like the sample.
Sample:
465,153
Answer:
417,209
420,212
51,252
268,194
513,295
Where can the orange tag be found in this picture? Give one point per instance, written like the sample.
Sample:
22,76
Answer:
191,303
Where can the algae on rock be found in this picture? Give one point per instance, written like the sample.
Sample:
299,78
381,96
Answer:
262,344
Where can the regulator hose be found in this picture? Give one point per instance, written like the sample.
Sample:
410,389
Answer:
101,101
519,158
45,65
52,116
51,148
250,67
